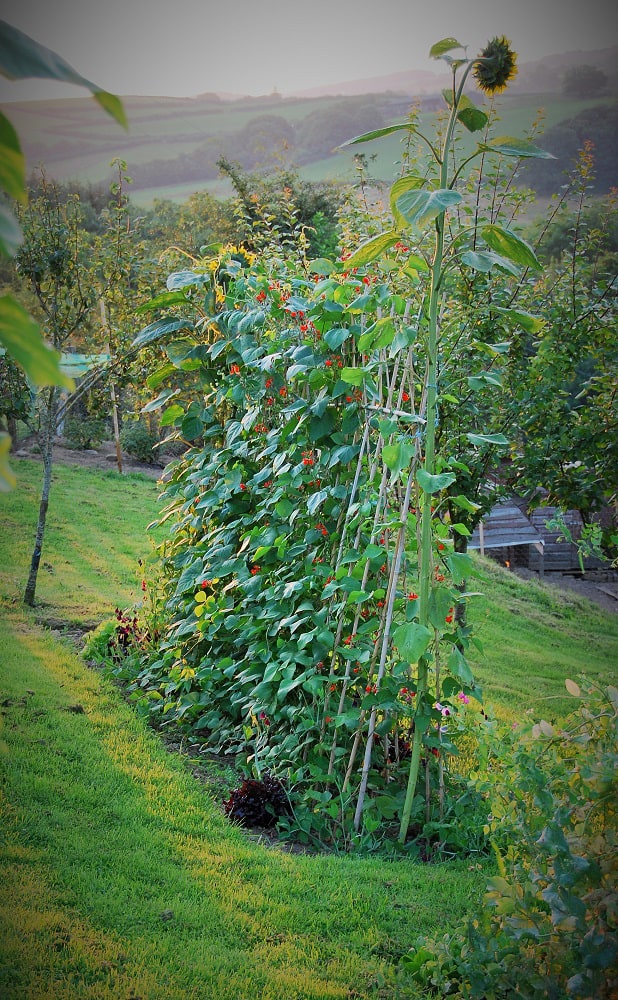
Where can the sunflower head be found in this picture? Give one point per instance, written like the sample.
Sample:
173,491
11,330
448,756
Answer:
495,66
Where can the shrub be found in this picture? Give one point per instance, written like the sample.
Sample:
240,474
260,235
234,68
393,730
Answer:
84,432
116,639
551,914
137,440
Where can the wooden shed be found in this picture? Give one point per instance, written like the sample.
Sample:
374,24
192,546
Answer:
507,529
514,539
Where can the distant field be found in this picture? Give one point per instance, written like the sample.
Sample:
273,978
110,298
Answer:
75,140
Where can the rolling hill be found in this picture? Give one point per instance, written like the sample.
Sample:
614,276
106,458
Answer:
173,144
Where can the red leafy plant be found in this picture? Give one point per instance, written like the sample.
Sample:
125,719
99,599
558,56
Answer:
258,802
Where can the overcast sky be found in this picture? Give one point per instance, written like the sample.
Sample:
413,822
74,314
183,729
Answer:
187,47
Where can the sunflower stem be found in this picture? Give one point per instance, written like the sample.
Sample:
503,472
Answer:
426,564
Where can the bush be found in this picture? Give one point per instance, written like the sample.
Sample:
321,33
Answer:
116,639
85,432
137,440
551,914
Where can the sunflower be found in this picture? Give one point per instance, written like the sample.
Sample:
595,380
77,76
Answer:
495,66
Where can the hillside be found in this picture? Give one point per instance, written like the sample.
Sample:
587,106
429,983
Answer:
539,76
173,145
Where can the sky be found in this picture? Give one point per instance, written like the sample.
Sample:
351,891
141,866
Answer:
182,48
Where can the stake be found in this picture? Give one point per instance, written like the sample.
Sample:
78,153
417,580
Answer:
112,390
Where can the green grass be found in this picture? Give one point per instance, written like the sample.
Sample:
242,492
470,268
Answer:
120,876
95,535
534,637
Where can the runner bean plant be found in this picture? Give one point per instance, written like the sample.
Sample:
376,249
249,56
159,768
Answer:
314,585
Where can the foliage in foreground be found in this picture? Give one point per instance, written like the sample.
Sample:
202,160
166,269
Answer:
550,923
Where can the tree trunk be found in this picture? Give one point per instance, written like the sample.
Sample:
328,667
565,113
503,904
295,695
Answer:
11,424
47,449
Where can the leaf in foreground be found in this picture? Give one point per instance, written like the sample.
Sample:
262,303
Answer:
7,476
21,57
22,338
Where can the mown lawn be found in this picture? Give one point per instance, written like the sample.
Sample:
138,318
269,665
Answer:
120,876
94,537
534,636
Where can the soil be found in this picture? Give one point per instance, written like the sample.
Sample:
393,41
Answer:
103,458
598,586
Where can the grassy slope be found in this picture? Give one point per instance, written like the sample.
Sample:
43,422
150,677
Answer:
93,540
119,875
533,635
121,878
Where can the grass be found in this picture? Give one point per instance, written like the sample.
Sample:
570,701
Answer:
95,535
120,876
535,636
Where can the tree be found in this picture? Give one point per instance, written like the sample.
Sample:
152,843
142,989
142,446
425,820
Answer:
196,223
597,223
15,395
563,398
584,81
124,272
597,125
283,203
53,262
323,130
22,57
263,143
